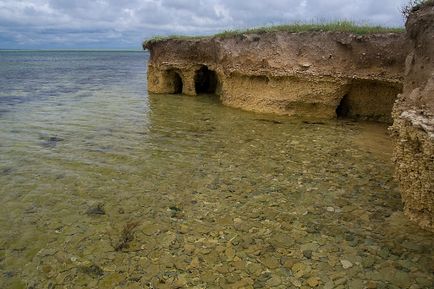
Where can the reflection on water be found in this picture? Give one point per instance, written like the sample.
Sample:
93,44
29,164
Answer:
103,186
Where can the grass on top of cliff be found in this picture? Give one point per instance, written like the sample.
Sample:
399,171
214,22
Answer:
338,26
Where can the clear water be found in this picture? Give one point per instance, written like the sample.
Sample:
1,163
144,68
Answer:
104,186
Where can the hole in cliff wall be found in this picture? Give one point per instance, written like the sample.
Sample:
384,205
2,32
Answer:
205,80
369,99
174,82
343,109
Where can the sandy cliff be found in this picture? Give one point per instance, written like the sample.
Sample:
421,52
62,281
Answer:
414,120
307,74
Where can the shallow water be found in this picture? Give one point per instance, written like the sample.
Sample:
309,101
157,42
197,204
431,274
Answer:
103,186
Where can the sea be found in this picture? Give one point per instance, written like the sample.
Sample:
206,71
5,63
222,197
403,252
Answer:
103,185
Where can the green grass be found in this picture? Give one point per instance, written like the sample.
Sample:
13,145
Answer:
337,26
159,38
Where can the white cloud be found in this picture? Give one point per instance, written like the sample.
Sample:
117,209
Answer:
124,23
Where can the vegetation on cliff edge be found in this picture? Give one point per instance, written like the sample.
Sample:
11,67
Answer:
337,26
414,5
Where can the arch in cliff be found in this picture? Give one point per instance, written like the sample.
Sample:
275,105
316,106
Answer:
343,109
369,99
174,82
205,80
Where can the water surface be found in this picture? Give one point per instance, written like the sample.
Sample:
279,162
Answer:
104,186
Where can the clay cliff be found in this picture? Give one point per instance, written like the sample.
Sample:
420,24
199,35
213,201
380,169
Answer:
305,74
414,120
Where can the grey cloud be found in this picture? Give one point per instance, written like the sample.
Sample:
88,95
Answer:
122,23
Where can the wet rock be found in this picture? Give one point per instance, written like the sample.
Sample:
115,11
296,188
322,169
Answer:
287,262
183,229
264,277
346,264
258,284
195,263
269,120
46,269
424,282
238,223
176,212
384,253
295,281
50,142
6,171
189,249
368,261
349,236
47,252
243,283
92,270
300,269
271,261
356,284
232,278
31,209
223,268
254,269
9,274
312,228
307,254
96,209
209,276
273,281
230,252
281,240
313,281
340,281
402,280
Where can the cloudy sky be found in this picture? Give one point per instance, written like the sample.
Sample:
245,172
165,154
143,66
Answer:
126,23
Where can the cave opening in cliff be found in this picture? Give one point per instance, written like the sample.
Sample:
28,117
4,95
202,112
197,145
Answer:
175,82
343,109
205,81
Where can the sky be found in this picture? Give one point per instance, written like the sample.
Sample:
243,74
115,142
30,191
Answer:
124,24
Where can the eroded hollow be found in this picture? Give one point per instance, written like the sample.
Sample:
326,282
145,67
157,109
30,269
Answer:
343,109
174,81
369,100
205,81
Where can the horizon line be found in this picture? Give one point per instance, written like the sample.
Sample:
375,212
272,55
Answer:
71,49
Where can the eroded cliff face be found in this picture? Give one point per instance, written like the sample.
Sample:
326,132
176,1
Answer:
414,121
307,74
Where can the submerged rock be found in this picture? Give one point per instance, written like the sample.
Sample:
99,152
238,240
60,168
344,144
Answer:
96,209
92,270
346,264
51,141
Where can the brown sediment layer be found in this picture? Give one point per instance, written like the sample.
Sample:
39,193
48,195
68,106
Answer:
414,120
306,74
